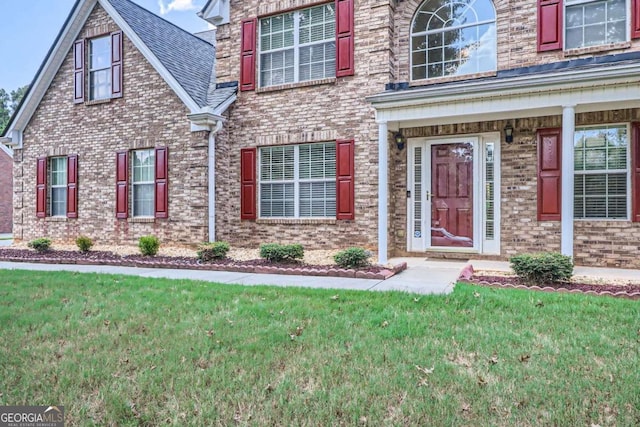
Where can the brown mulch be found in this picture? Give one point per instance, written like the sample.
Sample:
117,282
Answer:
630,288
110,258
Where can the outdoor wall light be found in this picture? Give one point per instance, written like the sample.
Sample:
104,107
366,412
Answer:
400,140
508,133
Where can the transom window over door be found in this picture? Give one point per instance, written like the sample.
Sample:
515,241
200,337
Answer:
298,46
100,68
593,23
452,38
601,172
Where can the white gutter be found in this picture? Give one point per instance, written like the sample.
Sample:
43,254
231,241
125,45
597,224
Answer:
584,77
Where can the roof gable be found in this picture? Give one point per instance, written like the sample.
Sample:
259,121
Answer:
183,60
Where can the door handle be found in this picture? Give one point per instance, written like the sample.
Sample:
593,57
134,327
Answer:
428,195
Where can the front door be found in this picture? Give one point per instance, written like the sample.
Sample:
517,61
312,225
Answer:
441,194
451,195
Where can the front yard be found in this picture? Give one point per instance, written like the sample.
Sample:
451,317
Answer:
132,351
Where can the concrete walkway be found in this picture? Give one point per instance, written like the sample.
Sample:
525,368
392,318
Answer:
422,276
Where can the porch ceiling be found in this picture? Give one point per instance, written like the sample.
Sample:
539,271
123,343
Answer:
615,86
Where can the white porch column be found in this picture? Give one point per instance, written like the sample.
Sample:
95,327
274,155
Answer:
383,184
568,130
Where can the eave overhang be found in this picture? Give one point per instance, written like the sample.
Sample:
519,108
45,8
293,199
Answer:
615,85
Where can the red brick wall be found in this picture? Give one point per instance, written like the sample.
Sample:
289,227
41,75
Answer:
6,191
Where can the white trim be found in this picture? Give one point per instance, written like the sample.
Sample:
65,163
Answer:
216,12
480,244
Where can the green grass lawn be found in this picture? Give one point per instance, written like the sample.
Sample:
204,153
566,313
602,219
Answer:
135,351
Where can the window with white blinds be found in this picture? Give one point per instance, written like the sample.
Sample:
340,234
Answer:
298,46
298,181
601,172
58,187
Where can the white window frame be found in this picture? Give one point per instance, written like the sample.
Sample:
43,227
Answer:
135,184
295,47
92,71
570,3
427,32
63,186
296,181
627,172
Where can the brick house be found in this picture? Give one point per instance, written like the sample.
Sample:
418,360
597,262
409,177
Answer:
6,188
470,128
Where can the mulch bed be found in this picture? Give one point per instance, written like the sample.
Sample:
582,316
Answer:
629,290
251,266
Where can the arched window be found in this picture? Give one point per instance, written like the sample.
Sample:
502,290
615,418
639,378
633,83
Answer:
452,38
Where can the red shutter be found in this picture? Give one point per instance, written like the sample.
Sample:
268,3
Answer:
550,25
344,38
41,188
248,55
78,71
116,64
72,187
345,189
549,174
635,173
248,187
162,183
122,184
635,19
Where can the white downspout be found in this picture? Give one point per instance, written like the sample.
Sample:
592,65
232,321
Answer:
212,181
383,167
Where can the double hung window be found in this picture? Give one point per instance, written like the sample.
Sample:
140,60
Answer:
100,68
298,46
593,23
298,181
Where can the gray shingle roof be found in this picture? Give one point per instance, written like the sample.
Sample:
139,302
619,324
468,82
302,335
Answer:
222,92
188,58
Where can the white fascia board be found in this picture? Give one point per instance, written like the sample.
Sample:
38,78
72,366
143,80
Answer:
223,107
153,60
620,90
528,84
59,52
216,12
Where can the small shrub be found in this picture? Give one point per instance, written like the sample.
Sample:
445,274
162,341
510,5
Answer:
40,245
352,258
84,243
214,250
276,252
544,267
149,245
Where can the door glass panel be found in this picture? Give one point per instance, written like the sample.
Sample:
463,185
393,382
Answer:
417,193
452,195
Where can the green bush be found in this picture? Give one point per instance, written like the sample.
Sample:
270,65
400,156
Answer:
40,245
84,243
149,245
214,250
352,258
276,252
541,268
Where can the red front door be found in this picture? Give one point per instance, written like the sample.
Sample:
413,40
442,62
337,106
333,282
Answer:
452,195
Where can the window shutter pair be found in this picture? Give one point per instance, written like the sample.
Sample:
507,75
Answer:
550,173
161,184
79,67
344,45
72,187
345,189
551,23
